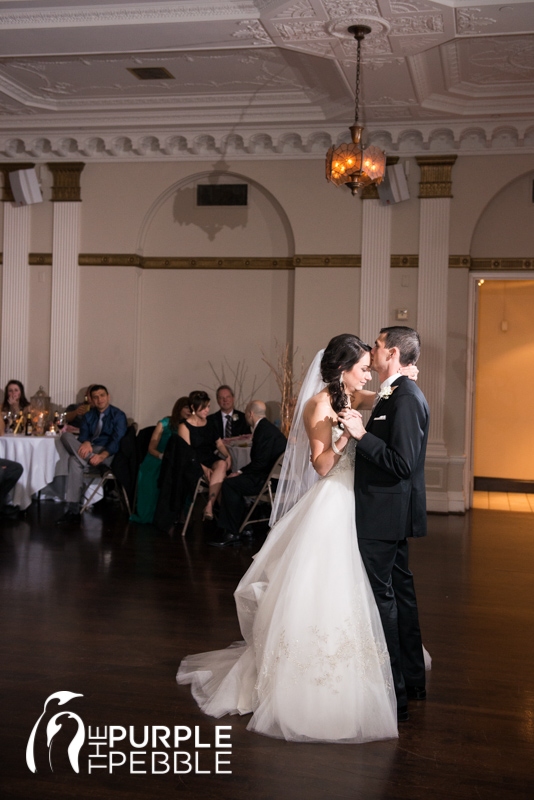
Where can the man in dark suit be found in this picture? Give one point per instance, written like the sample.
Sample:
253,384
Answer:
268,444
227,421
391,503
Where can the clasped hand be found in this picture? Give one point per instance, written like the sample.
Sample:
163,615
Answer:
352,421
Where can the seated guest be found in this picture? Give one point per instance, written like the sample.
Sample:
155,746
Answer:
227,421
205,441
10,472
101,430
268,444
15,399
75,413
147,482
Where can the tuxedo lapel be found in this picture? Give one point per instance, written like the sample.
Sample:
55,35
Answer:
381,401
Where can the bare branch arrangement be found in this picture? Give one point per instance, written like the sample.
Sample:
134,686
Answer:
236,381
287,382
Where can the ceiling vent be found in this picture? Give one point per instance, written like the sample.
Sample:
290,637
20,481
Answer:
151,73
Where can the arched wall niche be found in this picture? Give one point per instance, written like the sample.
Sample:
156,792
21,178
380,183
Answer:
174,225
505,227
475,182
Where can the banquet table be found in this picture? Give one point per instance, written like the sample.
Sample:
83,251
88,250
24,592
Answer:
43,459
239,448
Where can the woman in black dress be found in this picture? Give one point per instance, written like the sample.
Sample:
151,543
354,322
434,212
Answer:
203,439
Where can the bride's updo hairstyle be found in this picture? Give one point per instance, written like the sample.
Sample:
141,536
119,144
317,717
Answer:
342,353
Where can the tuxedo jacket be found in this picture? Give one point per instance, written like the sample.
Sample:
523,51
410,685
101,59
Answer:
268,443
389,478
239,426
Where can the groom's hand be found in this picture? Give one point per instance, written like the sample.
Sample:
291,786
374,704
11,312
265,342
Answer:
352,420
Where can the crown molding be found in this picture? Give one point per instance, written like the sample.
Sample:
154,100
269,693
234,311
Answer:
296,141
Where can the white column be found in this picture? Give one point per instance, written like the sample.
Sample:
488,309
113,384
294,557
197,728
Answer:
375,270
433,278
15,294
433,275
65,289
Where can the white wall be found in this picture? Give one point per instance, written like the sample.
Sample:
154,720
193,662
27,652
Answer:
506,228
150,334
207,316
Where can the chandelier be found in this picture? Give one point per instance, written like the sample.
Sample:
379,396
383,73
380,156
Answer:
350,163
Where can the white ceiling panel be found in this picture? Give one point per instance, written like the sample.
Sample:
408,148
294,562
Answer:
263,68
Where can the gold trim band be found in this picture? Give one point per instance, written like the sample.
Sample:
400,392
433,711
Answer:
283,263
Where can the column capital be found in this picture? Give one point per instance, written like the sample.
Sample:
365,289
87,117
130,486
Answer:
66,176
436,175
5,169
371,192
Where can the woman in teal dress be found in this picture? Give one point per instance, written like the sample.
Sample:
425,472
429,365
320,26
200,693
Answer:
147,482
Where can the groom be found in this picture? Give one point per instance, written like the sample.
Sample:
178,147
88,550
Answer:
391,503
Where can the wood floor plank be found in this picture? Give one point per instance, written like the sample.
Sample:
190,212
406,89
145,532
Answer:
108,611
519,502
480,500
498,501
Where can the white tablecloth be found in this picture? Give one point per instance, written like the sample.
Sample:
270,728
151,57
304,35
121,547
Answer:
43,459
240,454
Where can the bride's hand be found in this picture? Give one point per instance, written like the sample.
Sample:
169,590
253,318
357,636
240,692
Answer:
352,421
411,372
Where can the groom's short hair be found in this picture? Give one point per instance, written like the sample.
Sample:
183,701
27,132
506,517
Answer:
406,340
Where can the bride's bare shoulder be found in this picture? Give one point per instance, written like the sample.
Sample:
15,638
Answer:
318,405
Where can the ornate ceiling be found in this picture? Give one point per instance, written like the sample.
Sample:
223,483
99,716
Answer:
262,78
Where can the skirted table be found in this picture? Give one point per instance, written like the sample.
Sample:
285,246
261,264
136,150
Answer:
43,459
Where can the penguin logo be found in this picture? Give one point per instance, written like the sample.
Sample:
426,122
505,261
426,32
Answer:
54,727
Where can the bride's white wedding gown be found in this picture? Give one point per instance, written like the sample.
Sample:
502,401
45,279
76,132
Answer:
314,663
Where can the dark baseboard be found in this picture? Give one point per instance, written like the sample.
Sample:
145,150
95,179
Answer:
503,485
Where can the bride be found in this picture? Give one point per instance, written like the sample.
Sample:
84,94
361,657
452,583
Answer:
313,664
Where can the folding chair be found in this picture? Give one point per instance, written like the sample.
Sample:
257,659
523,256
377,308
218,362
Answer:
266,494
104,478
201,488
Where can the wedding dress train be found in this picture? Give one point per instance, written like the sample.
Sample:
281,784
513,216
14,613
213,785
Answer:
314,664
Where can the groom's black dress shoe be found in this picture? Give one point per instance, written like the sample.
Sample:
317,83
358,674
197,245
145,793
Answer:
416,692
226,540
402,714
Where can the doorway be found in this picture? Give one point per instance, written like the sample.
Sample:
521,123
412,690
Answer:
501,464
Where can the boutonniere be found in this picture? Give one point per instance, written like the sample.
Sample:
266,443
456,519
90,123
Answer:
387,392
235,417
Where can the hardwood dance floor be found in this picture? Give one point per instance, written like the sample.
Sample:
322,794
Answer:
108,611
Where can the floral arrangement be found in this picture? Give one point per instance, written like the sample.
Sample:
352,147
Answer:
288,384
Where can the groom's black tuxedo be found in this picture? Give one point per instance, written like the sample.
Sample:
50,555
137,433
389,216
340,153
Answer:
390,506
390,461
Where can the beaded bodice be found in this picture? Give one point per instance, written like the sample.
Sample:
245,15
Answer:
348,458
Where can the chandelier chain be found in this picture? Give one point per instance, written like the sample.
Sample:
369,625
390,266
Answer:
357,95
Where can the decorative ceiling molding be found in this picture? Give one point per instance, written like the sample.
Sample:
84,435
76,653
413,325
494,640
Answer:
277,73
471,21
263,144
127,14
302,8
